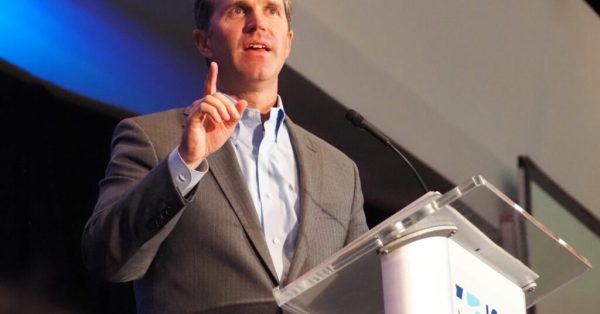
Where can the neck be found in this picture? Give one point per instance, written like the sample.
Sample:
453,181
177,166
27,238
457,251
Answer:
259,96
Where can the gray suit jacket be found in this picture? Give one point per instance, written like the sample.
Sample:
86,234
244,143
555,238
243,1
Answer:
206,252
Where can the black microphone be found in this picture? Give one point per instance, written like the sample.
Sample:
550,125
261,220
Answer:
358,120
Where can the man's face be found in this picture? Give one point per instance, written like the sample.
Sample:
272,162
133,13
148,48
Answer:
249,39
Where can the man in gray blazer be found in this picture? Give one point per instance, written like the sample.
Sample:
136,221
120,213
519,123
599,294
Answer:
209,207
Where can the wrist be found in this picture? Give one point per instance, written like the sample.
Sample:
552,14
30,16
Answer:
192,162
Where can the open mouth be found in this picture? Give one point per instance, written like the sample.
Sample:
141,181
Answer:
257,47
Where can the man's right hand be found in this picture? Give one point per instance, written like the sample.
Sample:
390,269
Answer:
210,122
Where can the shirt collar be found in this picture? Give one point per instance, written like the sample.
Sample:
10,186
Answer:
252,115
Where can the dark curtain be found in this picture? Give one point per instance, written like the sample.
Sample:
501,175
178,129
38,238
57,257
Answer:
55,148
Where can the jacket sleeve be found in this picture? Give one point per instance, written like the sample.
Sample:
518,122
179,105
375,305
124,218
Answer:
137,207
358,223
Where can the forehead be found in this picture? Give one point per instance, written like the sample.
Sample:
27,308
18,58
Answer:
225,3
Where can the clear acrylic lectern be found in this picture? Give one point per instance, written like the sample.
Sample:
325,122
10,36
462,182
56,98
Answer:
464,251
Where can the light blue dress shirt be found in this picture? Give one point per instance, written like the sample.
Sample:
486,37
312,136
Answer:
266,158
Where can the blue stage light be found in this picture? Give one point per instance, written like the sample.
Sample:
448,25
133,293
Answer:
94,49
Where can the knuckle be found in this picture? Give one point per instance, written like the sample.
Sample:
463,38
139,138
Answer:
212,110
209,99
196,104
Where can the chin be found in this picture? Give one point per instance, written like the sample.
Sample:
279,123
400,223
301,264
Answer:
259,74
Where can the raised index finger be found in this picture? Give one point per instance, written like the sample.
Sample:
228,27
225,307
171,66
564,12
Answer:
210,86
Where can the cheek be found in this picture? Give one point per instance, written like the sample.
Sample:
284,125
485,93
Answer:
224,39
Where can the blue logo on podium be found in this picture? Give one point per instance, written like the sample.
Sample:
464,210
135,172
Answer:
473,304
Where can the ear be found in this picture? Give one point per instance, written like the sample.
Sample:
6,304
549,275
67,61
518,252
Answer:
290,39
202,41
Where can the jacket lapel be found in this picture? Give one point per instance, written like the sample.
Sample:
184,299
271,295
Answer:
309,170
225,168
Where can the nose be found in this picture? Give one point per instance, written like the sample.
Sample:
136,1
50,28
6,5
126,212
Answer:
255,22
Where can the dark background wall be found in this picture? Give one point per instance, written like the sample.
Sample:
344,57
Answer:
55,147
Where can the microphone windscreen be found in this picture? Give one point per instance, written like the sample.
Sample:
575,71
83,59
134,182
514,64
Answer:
355,117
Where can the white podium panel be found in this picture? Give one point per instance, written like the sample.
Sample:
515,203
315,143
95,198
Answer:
416,278
477,287
437,275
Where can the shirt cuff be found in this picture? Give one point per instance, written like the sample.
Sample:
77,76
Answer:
184,178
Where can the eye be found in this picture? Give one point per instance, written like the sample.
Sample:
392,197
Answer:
237,10
273,11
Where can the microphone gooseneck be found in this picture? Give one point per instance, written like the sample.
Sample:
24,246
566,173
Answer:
358,120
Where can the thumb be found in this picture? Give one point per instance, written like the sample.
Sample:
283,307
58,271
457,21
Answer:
241,106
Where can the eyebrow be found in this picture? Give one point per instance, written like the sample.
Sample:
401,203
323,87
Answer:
245,3
272,3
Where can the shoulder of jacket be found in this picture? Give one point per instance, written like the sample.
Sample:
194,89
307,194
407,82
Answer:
325,147
157,118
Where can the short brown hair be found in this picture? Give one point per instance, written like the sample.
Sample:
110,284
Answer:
203,10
